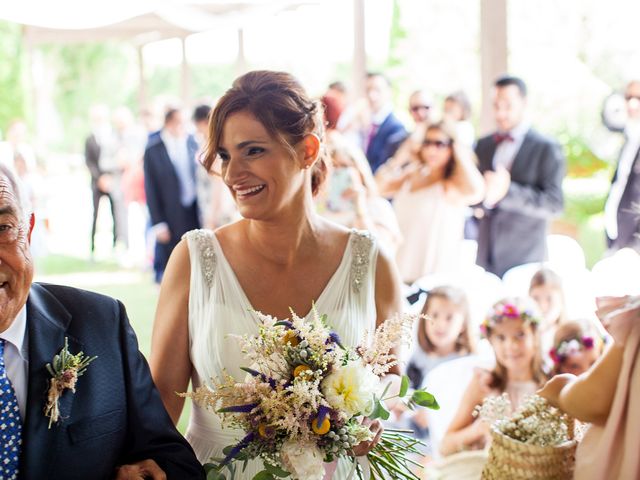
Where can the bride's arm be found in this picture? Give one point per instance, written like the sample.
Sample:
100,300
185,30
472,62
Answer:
388,292
169,360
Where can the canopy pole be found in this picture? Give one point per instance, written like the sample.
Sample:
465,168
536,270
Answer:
493,54
186,74
241,59
359,49
142,81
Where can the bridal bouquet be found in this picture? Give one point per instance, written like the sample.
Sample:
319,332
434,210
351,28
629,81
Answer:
304,398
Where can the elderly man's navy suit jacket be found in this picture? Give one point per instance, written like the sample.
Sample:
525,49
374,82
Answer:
116,415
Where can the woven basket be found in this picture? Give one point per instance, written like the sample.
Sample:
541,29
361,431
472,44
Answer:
514,460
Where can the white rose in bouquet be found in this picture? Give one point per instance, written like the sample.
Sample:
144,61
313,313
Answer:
303,460
350,389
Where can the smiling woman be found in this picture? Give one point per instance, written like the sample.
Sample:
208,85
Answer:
266,142
281,111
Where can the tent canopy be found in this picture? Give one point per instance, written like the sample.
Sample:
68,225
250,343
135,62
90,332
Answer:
137,21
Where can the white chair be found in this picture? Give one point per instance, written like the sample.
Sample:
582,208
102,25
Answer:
448,383
579,294
618,274
516,280
565,254
483,288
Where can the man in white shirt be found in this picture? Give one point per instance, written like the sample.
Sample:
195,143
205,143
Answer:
112,424
621,212
170,186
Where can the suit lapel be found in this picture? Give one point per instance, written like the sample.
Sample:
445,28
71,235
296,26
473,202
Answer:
485,156
47,321
520,160
166,159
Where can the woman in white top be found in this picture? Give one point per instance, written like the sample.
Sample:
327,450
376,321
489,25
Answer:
429,198
265,137
457,111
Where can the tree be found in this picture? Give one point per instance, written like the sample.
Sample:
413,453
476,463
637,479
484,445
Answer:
12,85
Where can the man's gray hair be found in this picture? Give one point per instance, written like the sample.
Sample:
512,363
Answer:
17,186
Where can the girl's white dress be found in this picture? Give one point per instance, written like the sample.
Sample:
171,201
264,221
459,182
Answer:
218,307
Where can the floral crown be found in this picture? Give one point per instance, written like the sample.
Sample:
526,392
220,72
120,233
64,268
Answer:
504,311
570,346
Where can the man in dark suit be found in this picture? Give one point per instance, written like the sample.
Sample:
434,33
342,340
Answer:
104,172
523,173
170,186
386,132
114,425
622,218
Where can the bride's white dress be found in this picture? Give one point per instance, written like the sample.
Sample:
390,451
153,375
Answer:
218,307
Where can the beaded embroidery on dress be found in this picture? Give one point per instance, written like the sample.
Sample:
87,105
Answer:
219,307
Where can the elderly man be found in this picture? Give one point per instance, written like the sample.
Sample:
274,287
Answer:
114,424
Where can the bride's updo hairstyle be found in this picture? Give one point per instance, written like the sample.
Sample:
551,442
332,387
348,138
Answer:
281,105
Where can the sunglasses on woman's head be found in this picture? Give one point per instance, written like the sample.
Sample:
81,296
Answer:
436,143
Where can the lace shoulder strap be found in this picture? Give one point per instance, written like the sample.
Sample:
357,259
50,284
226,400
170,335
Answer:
361,245
203,241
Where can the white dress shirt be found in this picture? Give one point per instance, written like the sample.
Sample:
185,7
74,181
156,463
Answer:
179,155
16,357
507,150
628,155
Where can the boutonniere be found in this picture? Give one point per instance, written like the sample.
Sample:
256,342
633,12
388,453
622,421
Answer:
65,370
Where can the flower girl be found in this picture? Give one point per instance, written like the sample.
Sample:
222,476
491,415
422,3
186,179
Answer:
512,329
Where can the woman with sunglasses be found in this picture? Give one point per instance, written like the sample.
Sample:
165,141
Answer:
429,198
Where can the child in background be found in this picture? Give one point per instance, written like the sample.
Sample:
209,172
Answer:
575,349
546,290
444,332
512,330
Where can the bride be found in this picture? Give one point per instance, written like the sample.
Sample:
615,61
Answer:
265,140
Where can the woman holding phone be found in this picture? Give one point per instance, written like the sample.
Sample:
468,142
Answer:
351,195
429,199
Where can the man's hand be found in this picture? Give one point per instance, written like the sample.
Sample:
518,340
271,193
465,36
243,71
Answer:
144,470
163,234
497,185
104,183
